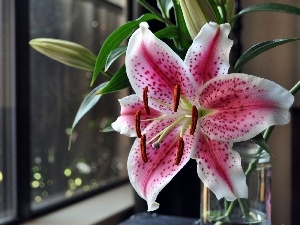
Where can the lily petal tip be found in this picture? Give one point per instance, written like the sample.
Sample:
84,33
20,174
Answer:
144,25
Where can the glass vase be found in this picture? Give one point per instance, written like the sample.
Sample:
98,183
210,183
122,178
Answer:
254,210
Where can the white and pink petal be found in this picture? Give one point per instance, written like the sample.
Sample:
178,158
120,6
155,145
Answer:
151,62
208,56
242,106
149,178
125,123
219,168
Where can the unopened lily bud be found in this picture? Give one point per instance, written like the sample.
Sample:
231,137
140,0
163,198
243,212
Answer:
196,14
69,53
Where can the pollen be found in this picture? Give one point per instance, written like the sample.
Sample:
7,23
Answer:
138,123
176,97
143,148
145,100
180,147
194,120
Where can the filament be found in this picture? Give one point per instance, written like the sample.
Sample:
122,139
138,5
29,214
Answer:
165,131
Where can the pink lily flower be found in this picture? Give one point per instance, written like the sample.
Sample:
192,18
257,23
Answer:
192,108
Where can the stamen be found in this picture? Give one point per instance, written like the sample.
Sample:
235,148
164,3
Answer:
138,123
143,148
145,100
180,146
194,120
176,97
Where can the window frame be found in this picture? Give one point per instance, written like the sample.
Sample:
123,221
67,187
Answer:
21,37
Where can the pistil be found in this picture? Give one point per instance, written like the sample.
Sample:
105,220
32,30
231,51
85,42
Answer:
145,100
143,148
138,123
176,97
194,120
180,147
161,135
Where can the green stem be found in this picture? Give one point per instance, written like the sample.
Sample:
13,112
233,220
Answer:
244,207
296,88
228,211
268,132
253,163
229,208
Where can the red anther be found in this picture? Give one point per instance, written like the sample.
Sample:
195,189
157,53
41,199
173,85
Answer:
194,120
180,147
138,123
145,100
143,148
176,97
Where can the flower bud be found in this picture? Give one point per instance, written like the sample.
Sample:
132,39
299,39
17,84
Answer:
66,52
196,13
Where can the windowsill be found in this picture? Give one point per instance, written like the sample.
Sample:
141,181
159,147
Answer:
91,211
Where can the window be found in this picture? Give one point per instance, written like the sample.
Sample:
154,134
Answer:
95,159
7,113
39,99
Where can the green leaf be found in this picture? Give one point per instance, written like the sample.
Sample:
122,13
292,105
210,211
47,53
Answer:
260,141
114,55
269,7
168,32
107,129
118,82
183,33
66,52
152,10
88,102
165,6
115,39
258,49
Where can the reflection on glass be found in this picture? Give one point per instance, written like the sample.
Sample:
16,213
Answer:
95,159
7,114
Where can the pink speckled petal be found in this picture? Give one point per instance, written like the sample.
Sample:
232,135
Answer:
219,168
244,106
208,56
150,62
125,124
148,179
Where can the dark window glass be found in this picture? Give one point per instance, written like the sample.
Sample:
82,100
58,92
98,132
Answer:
95,159
7,113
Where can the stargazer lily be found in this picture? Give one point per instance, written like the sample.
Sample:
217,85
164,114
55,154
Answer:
192,108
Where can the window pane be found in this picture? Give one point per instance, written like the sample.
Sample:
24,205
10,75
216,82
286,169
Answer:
7,113
95,159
